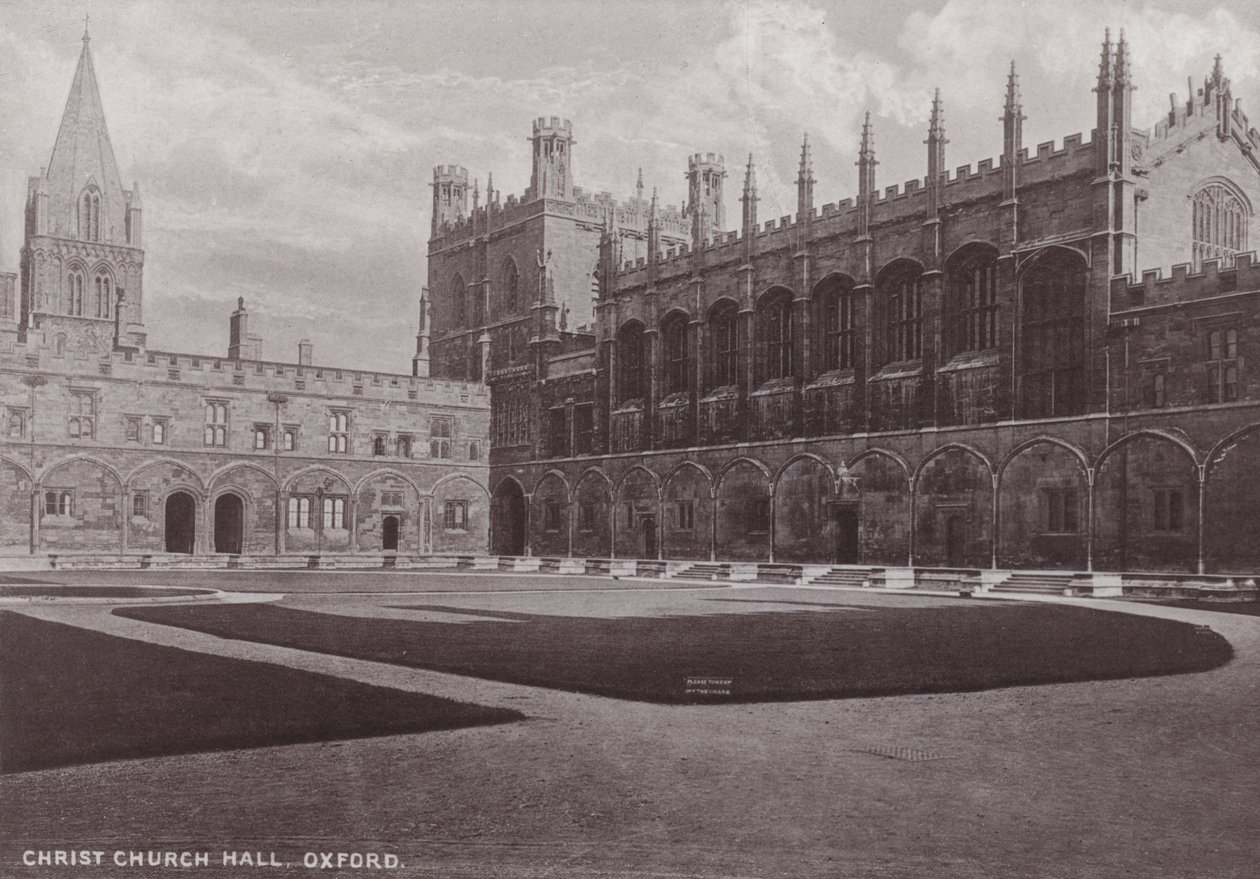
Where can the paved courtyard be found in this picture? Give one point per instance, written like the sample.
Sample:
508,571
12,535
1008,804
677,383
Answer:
1150,777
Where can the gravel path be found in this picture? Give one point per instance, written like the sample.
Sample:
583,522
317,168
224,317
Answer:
1153,777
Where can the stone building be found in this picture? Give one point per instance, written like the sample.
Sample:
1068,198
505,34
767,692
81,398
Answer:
1047,360
108,445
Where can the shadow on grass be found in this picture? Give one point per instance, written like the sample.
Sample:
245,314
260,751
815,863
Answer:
765,656
71,696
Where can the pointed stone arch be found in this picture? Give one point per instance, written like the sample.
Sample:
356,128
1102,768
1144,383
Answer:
1146,504
1231,508
549,514
637,519
17,499
1043,506
687,511
953,508
742,510
592,513
804,520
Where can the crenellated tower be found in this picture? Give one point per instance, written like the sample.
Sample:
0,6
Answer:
705,173
450,195
82,259
552,175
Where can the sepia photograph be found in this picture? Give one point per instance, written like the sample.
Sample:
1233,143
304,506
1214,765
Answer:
629,439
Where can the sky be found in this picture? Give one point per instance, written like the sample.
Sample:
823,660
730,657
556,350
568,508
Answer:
284,148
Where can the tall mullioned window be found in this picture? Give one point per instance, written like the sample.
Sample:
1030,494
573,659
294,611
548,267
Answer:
1222,365
632,363
82,414
1219,224
441,429
1052,337
723,339
104,296
90,215
902,292
677,361
74,293
774,320
834,304
510,277
973,302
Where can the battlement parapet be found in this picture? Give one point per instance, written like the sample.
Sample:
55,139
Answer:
452,173
702,160
545,125
1213,278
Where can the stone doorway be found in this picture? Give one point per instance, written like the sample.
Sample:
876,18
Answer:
229,524
389,534
181,522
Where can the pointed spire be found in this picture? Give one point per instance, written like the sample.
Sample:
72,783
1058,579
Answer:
807,162
936,127
1122,61
867,149
476,194
87,17
83,153
1014,104
638,186
489,188
1218,71
135,196
1104,64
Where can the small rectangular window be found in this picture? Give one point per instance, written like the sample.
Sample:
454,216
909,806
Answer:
16,426
1062,511
299,511
334,513
289,439
404,445
474,451
583,429
158,431
82,414
455,516
262,436
133,429
440,430
140,505
586,517
58,502
551,516
339,432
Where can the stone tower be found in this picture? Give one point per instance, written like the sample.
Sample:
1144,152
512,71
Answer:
553,142
82,261
705,173
450,195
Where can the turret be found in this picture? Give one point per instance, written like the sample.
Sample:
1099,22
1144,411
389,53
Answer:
135,224
936,141
553,142
242,345
1104,121
1216,90
805,184
749,200
1012,135
450,195
653,238
705,173
1121,110
866,178
420,362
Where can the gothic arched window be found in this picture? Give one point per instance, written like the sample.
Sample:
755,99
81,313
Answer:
459,295
723,342
511,278
74,293
90,215
632,363
1219,224
1052,336
774,319
902,293
833,303
972,315
677,359
104,296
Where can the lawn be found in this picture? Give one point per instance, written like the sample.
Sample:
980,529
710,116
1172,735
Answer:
71,696
882,650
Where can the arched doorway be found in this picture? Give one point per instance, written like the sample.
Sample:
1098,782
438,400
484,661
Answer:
509,518
229,524
389,533
649,537
181,522
955,541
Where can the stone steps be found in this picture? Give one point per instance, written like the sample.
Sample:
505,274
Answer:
705,571
1036,583
850,577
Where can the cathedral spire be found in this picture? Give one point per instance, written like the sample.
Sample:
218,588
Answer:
1122,77
83,157
1104,64
1012,136
866,177
936,154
